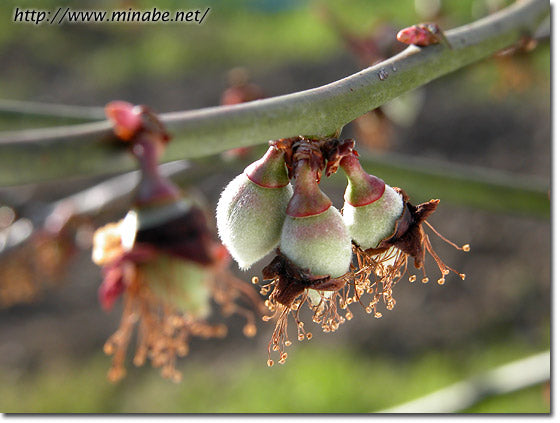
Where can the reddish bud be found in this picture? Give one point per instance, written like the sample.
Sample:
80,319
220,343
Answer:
420,35
126,118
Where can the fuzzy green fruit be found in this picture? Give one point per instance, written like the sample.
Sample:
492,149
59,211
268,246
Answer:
179,282
250,218
319,243
370,224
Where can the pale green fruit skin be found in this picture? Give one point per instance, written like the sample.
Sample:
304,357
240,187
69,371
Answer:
315,296
370,224
179,282
249,219
320,243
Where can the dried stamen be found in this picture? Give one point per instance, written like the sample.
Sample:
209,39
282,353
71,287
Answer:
292,287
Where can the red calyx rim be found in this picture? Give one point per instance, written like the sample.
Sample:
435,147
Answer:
370,188
269,171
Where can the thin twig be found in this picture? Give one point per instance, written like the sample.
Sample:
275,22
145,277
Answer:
88,202
37,155
60,111
488,189
502,380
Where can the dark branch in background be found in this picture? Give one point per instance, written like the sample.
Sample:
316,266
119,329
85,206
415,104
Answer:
88,202
36,155
482,188
63,111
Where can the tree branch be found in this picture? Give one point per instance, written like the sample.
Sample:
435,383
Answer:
40,154
88,202
508,378
471,186
60,111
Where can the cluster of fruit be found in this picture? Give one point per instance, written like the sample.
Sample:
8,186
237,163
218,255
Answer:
323,257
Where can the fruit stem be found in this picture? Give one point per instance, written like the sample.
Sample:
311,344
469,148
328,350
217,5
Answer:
308,199
269,171
362,189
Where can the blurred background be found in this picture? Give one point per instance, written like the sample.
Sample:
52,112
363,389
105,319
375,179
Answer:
489,121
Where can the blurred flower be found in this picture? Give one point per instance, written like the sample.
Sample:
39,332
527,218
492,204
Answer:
166,294
36,258
18,279
164,262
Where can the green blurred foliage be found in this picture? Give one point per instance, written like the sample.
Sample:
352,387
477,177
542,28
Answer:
332,379
530,400
253,33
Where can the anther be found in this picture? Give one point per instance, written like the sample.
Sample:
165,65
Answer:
270,363
425,280
412,278
177,377
466,248
249,330
109,348
138,360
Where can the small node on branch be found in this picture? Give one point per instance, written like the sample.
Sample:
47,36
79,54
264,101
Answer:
424,34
